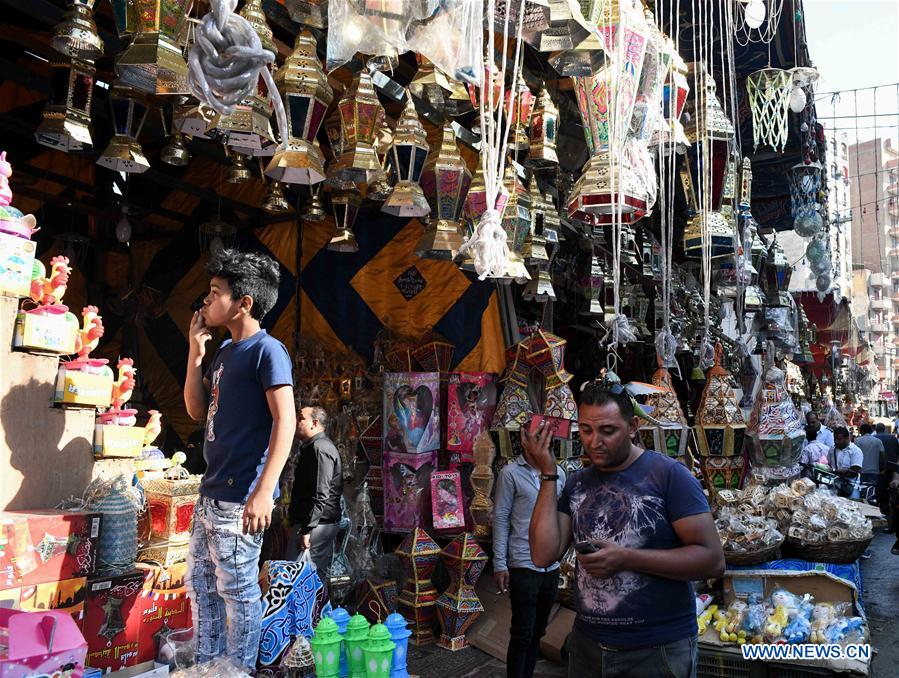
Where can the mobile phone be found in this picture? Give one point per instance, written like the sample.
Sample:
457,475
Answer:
559,428
585,547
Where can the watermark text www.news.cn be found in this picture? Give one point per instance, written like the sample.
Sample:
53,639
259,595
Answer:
799,653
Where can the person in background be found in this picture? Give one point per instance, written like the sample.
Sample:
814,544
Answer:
643,531
872,454
813,452
246,397
532,589
822,433
195,463
895,424
846,460
317,488
889,473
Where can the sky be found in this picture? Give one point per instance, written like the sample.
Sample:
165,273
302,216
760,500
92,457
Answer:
855,44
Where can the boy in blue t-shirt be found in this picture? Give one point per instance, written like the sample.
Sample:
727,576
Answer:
246,398
642,530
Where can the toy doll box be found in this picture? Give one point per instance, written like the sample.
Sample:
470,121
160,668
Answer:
171,502
16,264
74,387
48,329
39,547
118,441
822,586
40,644
64,596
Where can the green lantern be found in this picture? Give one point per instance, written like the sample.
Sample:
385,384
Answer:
355,637
378,652
326,649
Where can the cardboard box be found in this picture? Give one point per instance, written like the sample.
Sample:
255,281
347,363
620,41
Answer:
40,644
145,670
161,611
16,264
118,441
164,577
164,552
74,387
553,643
46,329
38,547
64,596
112,616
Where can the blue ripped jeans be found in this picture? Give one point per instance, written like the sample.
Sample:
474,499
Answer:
223,582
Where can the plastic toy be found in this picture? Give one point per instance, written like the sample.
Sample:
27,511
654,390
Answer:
729,624
124,385
823,615
47,290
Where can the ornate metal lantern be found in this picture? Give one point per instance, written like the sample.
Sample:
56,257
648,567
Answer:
360,111
720,426
777,276
306,93
67,115
275,200
431,84
345,207
543,153
76,36
584,59
516,223
445,182
556,30
406,158
309,12
124,152
153,63
674,99
591,286
776,431
249,128
459,605
721,233
671,433
521,114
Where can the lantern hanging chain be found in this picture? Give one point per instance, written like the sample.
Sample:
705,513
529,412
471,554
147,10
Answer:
745,34
227,60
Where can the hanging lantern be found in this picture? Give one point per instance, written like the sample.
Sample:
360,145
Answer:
315,208
539,288
345,206
360,111
124,152
719,230
76,36
431,84
216,236
306,93
175,153
777,276
753,298
275,201
238,172
776,431
583,60
745,204
671,134
671,432
521,114
803,78
720,426
591,286
516,221
542,153
712,134
445,182
805,183
67,115
308,12
406,157
555,28
249,128
153,63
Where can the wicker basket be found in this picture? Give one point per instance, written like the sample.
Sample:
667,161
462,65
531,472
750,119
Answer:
827,552
762,555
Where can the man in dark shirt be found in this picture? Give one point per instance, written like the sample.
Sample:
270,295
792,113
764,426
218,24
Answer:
888,478
643,531
317,487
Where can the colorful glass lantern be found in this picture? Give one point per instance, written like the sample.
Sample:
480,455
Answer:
345,207
308,12
434,354
720,426
360,112
249,128
341,617
547,354
124,152
745,203
67,115
355,637
459,606
521,107
482,479
171,501
306,93
153,63
776,430
399,634
445,182
326,644
378,651
777,276
591,287
419,553
543,153
672,432
514,407
406,158
76,36
722,473
674,99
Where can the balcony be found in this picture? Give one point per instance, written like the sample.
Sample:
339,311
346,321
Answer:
879,328
879,279
882,304
893,231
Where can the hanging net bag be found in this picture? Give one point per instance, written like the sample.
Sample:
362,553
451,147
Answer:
769,100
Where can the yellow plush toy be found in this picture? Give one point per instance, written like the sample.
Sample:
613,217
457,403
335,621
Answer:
776,623
822,617
703,620
730,625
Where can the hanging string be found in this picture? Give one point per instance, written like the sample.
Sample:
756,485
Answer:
226,61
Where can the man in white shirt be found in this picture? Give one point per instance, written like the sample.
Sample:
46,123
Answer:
823,434
847,460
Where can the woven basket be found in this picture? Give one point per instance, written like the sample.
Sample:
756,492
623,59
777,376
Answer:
827,552
762,555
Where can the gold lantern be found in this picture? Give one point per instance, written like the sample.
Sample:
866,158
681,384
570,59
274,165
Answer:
175,153
720,426
591,286
67,115
239,171
249,128
544,133
306,93
360,112
124,152
482,483
275,201
557,29
406,158
520,116
669,432
516,221
445,182
309,12
76,36
153,63
314,210
536,257
345,206
431,84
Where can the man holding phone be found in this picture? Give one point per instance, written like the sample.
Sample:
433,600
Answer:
532,589
643,531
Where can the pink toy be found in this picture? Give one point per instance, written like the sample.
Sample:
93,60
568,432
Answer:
5,174
446,500
12,220
471,402
40,643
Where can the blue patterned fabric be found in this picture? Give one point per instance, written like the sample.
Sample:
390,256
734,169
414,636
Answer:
292,606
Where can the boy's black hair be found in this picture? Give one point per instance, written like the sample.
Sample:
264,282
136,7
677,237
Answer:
597,393
249,274
865,428
880,428
841,431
